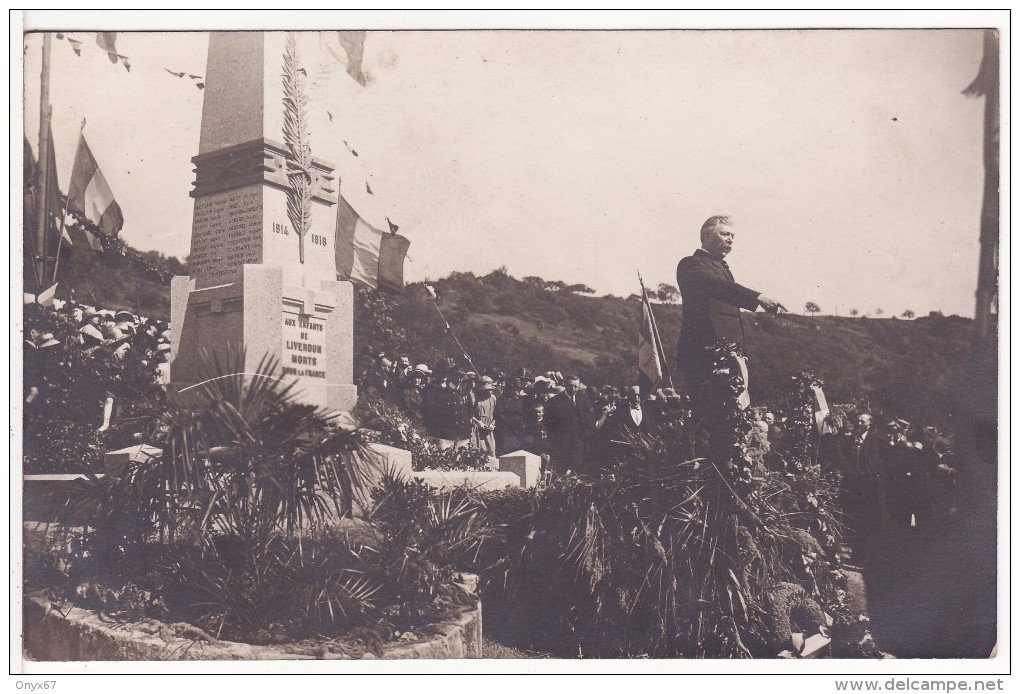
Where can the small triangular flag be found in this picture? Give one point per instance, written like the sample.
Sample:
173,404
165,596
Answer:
393,227
368,188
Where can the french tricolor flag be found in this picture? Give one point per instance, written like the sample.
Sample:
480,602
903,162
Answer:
367,255
89,194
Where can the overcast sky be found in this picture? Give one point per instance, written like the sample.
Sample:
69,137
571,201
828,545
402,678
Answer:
850,159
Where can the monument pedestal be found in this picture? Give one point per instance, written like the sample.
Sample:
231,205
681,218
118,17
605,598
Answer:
308,331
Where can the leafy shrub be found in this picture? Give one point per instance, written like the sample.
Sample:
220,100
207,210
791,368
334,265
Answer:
666,554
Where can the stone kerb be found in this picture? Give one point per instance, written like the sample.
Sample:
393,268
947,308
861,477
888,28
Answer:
527,466
76,634
476,480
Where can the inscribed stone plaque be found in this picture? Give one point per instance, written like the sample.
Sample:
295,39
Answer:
304,344
226,234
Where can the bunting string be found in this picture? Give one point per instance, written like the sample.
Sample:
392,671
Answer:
106,41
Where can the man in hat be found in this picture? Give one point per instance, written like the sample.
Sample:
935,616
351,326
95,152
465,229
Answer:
712,301
484,419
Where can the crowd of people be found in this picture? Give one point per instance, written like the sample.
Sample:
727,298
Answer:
895,476
551,415
70,343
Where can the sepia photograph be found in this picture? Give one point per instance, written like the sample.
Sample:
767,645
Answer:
665,342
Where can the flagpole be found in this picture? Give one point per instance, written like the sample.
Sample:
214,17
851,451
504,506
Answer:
655,332
42,170
60,242
435,303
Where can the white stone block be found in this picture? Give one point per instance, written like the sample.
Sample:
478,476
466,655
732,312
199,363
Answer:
384,459
116,460
527,466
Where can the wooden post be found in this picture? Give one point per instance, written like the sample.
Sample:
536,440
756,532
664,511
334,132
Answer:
42,171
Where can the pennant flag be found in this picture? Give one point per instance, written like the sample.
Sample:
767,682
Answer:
179,75
365,254
431,292
368,188
349,149
820,410
345,47
393,227
90,195
45,297
75,46
107,40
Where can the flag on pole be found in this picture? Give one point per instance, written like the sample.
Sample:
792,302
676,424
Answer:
90,195
820,410
651,357
650,365
365,254
345,47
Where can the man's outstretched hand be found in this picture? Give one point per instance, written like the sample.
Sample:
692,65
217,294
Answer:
770,305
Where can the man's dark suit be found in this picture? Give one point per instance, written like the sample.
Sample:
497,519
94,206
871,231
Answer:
569,423
711,313
711,309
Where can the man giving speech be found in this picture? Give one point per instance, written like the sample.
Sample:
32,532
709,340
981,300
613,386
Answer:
711,314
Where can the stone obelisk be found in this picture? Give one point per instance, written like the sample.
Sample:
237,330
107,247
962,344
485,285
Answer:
263,268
